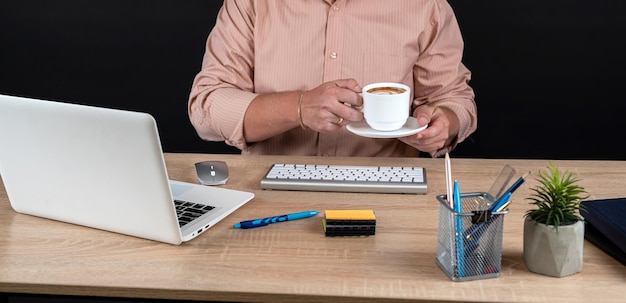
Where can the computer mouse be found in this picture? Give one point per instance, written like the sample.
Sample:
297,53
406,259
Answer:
212,172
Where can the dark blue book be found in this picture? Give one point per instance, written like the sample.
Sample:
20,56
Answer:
606,225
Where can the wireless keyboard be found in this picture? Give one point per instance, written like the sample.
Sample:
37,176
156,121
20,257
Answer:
341,178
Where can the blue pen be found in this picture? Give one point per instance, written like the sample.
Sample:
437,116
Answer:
459,247
473,235
474,232
501,201
282,218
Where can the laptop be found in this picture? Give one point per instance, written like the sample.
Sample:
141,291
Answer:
102,168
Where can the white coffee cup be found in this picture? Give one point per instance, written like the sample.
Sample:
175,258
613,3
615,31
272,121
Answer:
386,105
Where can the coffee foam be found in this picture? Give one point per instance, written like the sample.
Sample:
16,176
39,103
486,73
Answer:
386,90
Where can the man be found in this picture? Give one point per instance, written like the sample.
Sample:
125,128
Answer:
284,77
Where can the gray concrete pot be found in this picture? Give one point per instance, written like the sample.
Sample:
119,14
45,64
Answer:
552,253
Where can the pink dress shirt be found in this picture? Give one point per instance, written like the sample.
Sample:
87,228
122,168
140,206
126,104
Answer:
272,46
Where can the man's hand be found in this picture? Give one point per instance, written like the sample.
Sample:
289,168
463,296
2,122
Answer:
443,127
331,105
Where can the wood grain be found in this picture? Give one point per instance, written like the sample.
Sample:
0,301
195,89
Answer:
294,261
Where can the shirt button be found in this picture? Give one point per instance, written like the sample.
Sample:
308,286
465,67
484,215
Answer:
333,55
335,7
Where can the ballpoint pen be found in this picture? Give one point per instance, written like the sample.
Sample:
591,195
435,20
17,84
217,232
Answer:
458,224
500,202
476,230
504,207
473,234
276,219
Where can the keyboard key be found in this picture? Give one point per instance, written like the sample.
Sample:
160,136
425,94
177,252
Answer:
188,211
345,178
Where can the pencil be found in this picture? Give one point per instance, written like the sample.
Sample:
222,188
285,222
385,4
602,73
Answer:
517,183
449,184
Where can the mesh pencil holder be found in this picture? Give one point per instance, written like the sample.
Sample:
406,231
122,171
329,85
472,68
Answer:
469,244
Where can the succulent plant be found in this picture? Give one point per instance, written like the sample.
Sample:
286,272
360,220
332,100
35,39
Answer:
557,198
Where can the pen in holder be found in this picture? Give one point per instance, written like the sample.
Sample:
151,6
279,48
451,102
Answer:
476,251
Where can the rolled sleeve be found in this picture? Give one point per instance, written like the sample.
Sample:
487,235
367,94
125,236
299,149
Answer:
223,89
220,116
440,77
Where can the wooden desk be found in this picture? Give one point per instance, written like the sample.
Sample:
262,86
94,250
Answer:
294,261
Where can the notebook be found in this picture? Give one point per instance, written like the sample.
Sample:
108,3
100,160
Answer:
606,225
101,168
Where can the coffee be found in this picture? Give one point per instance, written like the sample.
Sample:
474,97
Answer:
386,90
386,105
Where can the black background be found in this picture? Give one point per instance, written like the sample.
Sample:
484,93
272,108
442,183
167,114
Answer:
548,75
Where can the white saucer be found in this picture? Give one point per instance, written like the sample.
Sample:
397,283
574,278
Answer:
411,127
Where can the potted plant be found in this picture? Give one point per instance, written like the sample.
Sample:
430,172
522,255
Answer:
554,230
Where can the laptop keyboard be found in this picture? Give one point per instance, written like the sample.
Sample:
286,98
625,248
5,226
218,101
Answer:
188,211
342,178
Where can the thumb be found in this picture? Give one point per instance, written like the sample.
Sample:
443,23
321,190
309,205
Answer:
424,113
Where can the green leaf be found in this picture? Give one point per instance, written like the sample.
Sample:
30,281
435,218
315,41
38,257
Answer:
557,198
